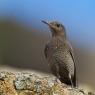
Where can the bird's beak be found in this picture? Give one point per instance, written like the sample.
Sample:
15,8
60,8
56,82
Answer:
46,23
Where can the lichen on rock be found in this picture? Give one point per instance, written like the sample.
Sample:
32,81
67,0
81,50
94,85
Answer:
32,84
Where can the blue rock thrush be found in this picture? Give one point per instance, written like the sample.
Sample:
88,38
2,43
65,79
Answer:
59,54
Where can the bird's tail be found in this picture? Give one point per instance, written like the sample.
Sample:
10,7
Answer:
74,79
70,77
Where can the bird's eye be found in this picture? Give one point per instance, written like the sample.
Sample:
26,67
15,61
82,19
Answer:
58,25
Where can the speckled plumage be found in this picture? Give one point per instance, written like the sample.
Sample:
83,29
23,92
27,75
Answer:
60,56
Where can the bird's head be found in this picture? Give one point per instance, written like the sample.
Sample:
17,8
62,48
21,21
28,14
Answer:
56,28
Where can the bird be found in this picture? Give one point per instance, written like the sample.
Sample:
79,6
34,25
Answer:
59,54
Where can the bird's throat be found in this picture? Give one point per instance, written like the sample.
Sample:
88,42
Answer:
61,34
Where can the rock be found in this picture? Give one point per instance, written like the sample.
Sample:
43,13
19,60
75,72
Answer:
32,84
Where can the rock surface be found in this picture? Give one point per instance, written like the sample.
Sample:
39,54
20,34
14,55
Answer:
32,84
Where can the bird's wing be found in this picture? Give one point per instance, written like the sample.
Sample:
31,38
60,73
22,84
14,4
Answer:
74,77
71,52
72,55
58,67
46,50
65,58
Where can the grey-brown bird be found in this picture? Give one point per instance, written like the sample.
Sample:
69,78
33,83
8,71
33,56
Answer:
59,54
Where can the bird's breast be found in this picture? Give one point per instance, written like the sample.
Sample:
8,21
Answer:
53,46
